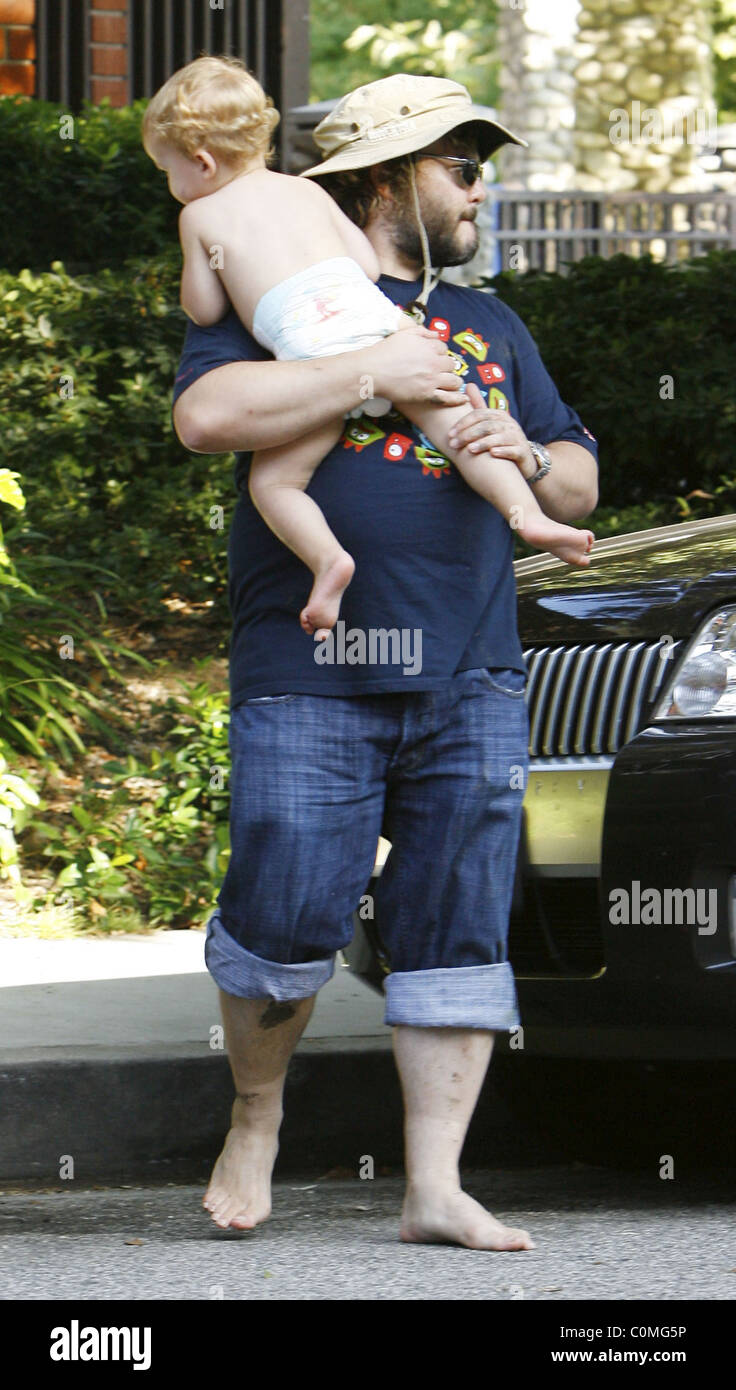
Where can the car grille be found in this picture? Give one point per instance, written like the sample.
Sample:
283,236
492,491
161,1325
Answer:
592,699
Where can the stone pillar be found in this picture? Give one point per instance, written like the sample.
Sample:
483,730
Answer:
536,40
644,93
17,48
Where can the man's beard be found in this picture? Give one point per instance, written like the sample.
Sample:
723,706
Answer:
444,247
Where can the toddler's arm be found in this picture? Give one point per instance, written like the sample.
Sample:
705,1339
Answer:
356,243
203,297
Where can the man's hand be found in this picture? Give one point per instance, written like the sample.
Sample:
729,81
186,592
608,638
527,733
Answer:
411,368
570,490
492,431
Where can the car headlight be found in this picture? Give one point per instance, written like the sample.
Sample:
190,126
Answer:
703,685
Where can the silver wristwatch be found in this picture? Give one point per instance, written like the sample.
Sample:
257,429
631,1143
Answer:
543,458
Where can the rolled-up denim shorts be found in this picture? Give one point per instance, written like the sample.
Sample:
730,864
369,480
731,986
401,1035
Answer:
315,780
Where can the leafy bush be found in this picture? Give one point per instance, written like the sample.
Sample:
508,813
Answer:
17,797
16,794
86,193
611,333
149,834
117,523
41,709
87,369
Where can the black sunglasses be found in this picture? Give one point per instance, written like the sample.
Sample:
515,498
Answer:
470,169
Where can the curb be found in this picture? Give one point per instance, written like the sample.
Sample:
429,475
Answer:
163,1118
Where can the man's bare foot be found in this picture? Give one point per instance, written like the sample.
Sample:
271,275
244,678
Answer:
239,1192
454,1218
323,605
566,542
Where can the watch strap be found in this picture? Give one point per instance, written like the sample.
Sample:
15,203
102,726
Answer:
543,458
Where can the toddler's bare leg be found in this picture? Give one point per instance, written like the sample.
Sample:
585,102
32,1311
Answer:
501,483
278,479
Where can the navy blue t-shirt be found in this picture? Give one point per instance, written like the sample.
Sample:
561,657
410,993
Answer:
433,591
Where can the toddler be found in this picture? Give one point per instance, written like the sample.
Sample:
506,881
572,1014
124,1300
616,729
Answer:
301,277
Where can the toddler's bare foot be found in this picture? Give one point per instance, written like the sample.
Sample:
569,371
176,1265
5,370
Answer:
323,605
453,1218
566,542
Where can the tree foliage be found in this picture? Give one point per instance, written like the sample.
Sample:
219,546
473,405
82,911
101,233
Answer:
353,42
724,57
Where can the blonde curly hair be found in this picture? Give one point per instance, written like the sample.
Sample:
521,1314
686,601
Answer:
214,104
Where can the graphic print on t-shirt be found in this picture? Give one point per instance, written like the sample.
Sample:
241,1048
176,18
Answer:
363,431
473,343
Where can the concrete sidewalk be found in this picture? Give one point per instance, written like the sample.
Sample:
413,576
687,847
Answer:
111,1052
128,995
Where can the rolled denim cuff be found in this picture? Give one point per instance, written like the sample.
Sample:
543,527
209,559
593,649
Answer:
472,996
239,972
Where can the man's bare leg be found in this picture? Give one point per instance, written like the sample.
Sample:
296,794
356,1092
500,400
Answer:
442,1071
261,1035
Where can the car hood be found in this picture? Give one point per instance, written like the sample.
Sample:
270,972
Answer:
642,585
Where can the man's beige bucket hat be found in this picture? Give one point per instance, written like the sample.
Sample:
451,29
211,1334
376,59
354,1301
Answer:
400,115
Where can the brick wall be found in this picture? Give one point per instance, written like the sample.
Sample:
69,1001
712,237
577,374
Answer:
17,47
109,51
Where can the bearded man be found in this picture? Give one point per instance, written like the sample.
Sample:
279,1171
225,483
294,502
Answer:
329,754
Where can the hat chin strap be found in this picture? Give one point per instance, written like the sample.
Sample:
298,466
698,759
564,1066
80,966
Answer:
430,278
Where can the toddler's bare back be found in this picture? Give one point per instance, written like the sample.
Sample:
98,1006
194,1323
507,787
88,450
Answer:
263,227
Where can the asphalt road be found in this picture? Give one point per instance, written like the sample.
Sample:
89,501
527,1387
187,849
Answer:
601,1234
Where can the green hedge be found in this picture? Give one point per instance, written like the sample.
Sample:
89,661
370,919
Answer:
610,332
87,370
90,200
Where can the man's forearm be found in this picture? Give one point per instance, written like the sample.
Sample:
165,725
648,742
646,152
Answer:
262,405
257,405
570,490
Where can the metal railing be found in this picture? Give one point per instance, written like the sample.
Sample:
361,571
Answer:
166,34
544,231
62,51
271,36
521,230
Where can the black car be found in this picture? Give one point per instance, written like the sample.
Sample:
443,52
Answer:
623,928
